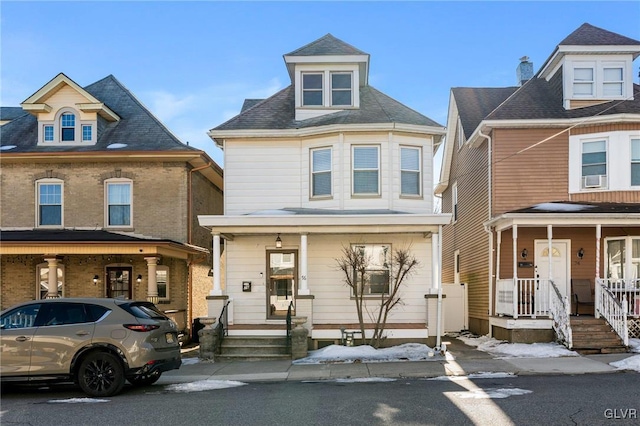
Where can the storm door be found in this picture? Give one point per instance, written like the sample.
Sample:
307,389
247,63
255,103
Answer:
282,286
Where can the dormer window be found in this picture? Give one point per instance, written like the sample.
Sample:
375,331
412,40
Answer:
67,128
583,81
341,89
339,94
612,81
597,80
312,89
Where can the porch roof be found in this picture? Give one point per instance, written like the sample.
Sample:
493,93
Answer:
72,241
568,213
323,221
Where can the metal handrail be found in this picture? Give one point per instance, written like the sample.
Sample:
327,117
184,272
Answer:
289,323
613,310
222,326
560,313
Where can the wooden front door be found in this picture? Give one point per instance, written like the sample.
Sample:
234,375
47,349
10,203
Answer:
119,282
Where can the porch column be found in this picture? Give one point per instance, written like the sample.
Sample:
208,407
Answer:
152,284
597,298
550,242
304,283
515,270
52,264
217,287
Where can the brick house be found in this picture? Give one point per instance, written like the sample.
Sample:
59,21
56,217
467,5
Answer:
99,199
543,181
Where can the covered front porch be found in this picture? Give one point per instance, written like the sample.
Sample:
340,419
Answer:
559,260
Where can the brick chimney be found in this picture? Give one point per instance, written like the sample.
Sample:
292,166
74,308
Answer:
524,72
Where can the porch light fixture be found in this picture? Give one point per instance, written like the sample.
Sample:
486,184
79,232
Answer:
139,279
278,242
95,279
580,253
524,253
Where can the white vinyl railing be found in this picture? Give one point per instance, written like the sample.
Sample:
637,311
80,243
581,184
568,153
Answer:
613,305
526,297
560,312
629,288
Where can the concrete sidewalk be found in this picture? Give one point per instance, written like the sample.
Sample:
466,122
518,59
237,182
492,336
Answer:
460,360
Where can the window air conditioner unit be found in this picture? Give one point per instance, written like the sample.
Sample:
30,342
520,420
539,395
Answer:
594,181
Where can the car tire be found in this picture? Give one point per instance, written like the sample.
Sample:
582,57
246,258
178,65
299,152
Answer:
101,374
145,379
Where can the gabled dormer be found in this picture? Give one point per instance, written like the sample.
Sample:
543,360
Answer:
67,114
594,65
327,75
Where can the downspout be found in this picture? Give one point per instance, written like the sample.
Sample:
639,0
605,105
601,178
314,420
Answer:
489,214
191,262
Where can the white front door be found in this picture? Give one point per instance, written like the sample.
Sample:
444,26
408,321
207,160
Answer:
559,262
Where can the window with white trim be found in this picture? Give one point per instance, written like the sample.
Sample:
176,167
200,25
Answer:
635,162
583,81
410,179
312,94
454,201
49,203
87,131
598,79
460,134
612,81
162,279
321,172
118,196
68,127
48,132
374,280
366,170
341,88
594,164
622,259
42,284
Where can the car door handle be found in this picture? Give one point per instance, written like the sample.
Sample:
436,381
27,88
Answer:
82,333
22,338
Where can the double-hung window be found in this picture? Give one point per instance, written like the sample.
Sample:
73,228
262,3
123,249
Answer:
635,162
321,172
68,127
366,170
49,202
341,89
312,94
583,81
162,279
410,171
118,209
594,164
612,81
373,277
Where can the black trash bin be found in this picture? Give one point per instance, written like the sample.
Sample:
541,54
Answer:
197,326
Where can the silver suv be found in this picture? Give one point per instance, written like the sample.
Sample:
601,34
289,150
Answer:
97,343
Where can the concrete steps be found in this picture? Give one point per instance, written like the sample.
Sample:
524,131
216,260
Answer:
254,348
595,336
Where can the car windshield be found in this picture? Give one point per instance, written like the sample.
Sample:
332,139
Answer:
144,310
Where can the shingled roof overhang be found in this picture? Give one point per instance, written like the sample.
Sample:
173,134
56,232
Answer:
89,242
487,125
569,214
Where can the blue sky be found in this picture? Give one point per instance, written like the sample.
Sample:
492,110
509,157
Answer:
193,63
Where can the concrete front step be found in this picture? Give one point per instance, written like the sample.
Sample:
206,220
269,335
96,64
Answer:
253,348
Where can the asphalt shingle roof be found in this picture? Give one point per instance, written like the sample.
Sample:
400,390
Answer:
475,103
10,113
138,128
278,112
327,45
68,235
589,35
573,207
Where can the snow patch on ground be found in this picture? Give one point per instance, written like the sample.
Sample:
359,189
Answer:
480,375
366,353
490,393
631,363
503,350
77,401
203,385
